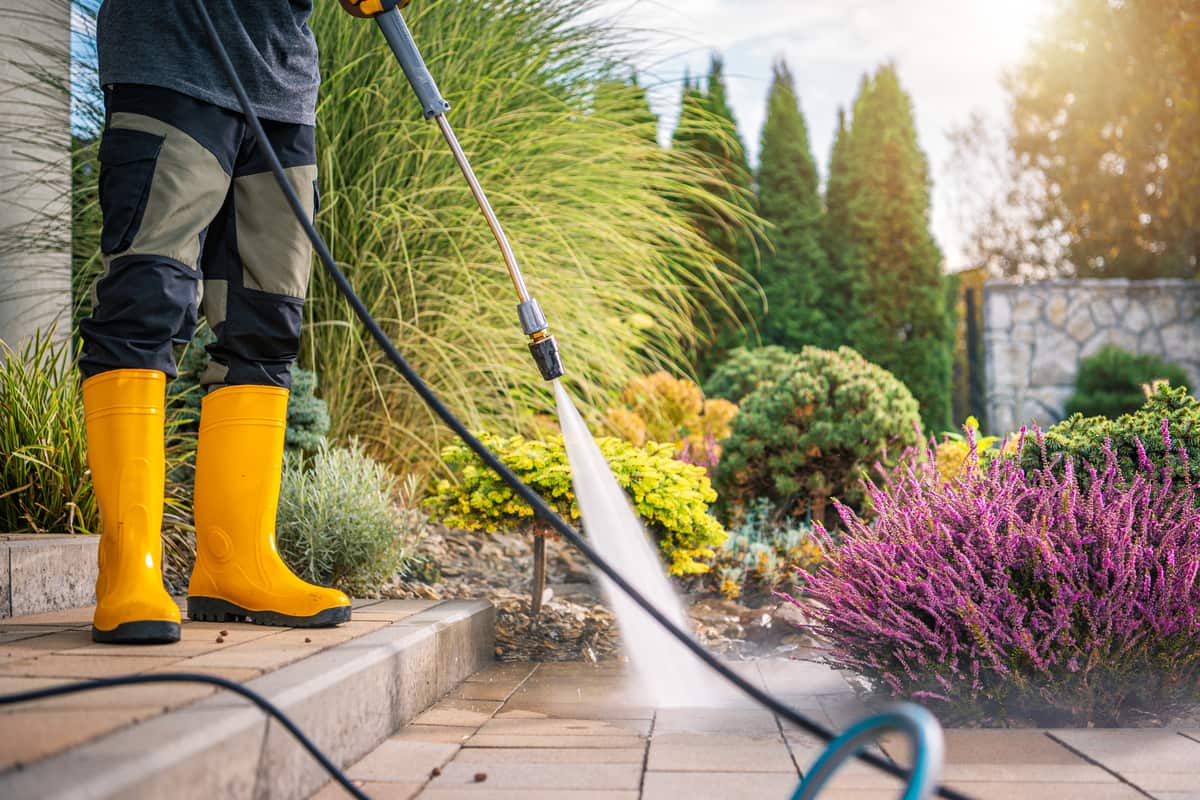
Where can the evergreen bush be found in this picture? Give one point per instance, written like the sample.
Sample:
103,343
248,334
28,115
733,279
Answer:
344,520
1168,422
746,368
671,497
812,434
1110,382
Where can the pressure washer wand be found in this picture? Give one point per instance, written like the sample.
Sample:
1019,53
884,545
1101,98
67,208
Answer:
533,322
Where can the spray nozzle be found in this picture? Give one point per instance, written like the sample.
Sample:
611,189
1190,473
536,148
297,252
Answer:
542,346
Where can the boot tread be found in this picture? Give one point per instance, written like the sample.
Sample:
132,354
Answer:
214,609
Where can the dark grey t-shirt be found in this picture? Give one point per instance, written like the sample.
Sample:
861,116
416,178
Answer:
164,44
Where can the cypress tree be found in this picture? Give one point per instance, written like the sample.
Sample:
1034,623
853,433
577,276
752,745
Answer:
646,117
801,289
888,254
837,193
707,132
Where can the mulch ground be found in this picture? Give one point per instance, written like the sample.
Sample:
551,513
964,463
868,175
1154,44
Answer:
575,624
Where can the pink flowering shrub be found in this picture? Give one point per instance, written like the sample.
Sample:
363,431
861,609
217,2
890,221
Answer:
1034,597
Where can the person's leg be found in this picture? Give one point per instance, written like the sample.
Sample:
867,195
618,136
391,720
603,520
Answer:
256,270
159,187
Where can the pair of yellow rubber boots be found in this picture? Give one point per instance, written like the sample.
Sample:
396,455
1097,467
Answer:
238,575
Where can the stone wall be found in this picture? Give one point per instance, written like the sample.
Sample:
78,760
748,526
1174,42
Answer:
1036,334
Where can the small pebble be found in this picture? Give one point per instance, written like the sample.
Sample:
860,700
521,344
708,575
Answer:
307,640
480,777
224,633
433,773
220,639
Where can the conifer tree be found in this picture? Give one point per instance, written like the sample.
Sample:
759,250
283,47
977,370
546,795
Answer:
707,132
886,250
646,117
804,296
837,192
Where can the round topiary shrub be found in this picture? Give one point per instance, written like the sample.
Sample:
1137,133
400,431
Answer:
813,434
1109,383
747,368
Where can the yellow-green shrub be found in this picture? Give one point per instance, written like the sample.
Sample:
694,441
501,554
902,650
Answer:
663,408
671,497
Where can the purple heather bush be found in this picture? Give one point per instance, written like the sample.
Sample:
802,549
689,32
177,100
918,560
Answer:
1013,597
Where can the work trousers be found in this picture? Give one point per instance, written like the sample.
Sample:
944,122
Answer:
194,222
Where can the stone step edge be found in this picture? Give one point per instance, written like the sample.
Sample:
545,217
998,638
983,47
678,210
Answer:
347,699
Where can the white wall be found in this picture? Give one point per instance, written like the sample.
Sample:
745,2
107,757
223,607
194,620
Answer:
35,170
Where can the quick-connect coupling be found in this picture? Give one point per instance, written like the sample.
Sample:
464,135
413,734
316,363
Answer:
542,346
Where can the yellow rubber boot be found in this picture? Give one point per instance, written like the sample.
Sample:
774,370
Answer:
238,573
123,410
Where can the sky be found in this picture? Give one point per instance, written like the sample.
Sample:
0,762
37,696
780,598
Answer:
950,54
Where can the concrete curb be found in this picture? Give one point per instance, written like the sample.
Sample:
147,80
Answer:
46,572
348,699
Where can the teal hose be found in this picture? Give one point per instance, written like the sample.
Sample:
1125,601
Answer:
920,726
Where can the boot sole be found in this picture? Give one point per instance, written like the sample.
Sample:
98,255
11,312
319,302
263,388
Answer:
212,609
142,632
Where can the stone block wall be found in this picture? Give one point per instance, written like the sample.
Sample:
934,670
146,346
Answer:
1035,335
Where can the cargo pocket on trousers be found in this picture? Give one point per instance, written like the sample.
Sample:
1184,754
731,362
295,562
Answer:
127,160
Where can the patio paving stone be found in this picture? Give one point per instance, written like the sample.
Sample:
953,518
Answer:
702,752
436,733
508,740
587,709
731,722
403,761
65,665
42,643
482,690
152,697
457,713
1020,756
572,728
727,786
802,677
1151,759
29,735
461,793
375,790
550,755
547,776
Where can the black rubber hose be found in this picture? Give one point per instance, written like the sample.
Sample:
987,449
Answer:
196,677
527,494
